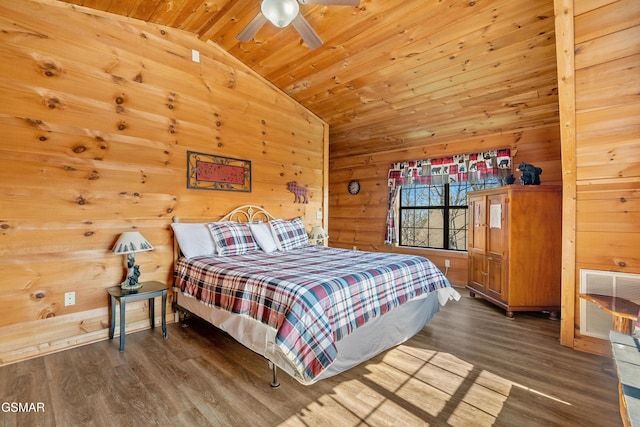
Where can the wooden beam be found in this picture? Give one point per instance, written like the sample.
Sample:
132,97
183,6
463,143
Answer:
564,21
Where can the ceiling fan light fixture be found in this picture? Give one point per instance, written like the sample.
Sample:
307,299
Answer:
280,12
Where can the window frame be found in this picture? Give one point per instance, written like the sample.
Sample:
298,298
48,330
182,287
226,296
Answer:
446,211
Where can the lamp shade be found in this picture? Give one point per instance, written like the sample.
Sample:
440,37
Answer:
318,234
280,12
130,242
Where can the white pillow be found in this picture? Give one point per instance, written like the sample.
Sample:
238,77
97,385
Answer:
194,239
262,234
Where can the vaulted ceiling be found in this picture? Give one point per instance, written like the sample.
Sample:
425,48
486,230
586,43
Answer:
391,72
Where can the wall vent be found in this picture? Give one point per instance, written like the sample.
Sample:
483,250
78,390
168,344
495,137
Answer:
593,321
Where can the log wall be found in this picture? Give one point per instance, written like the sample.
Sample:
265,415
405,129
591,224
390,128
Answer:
511,91
599,63
359,220
98,114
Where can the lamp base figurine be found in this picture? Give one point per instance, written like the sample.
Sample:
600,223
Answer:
133,273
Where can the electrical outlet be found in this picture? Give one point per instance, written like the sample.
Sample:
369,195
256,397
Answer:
195,55
69,298
447,263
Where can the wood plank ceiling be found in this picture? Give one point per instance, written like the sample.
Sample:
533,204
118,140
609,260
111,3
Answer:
391,72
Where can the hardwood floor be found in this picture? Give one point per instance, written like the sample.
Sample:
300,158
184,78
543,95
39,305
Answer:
470,366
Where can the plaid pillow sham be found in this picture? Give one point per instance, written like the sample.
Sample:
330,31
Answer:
289,234
232,238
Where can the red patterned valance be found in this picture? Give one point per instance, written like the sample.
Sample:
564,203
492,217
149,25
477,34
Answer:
472,167
460,168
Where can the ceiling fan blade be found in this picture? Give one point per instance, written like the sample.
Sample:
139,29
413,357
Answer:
306,32
332,2
252,28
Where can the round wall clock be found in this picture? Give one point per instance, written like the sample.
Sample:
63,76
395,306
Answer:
354,187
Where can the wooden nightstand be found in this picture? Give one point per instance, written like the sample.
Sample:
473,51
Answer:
149,290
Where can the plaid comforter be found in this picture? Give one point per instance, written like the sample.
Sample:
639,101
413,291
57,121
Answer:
312,296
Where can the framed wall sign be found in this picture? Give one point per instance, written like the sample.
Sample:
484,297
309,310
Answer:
210,172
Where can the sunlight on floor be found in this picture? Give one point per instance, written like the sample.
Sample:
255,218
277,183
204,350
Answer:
427,388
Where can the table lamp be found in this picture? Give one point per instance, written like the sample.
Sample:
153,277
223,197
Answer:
318,234
129,243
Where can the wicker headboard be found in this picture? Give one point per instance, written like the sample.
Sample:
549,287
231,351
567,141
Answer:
245,213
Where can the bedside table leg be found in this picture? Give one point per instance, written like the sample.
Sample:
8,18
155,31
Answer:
112,325
122,322
152,312
164,315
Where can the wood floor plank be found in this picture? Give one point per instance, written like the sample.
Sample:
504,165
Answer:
469,366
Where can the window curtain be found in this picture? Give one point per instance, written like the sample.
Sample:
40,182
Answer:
472,167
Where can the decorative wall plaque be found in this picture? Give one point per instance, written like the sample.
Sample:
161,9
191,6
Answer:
210,172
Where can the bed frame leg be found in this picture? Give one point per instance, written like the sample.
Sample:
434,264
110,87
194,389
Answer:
184,323
274,369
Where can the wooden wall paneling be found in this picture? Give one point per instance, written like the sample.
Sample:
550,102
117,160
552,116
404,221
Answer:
82,203
541,140
623,158
609,117
448,128
609,211
173,78
360,220
383,60
38,280
605,144
54,334
607,19
481,127
64,332
609,251
99,117
177,127
531,145
398,82
584,6
323,193
606,48
611,83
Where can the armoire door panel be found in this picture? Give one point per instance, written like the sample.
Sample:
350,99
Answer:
477,270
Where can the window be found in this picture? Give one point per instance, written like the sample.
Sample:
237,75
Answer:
435,215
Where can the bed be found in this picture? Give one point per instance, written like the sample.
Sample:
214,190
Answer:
312,311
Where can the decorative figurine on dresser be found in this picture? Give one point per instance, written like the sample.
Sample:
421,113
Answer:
515,247
530,174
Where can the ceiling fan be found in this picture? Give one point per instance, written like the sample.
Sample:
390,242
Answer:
281,13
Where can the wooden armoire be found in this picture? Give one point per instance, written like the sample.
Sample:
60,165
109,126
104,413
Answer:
515,249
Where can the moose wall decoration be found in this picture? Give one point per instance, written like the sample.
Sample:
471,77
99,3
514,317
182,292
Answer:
299,191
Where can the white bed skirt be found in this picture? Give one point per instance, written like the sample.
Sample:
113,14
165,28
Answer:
376,336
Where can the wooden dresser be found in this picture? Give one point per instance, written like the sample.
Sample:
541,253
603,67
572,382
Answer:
515,249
